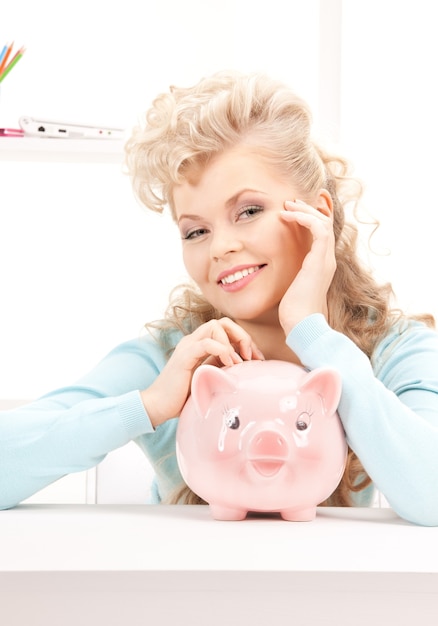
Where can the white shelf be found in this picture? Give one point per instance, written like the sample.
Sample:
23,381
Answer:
61,150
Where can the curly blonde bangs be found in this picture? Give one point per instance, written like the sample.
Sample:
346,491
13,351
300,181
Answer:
186,127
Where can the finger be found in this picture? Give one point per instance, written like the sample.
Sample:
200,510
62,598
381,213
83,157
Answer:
192,350
212,360
213,339
300,205
211,348
241,340
226,332
318,224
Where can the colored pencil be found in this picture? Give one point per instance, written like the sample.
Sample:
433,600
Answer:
6,57
3,52
14,61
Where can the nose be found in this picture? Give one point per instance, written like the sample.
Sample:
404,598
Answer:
269,444
224,242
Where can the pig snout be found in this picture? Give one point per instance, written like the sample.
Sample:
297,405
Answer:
268,451
269,443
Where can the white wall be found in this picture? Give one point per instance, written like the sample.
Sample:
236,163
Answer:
389,105
105,63
81,265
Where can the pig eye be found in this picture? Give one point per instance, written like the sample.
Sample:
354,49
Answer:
231,417
303,421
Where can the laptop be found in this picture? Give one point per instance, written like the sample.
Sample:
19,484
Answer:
39,127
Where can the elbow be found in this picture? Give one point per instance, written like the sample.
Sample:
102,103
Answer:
7,503
414,498
420,510
4,506
423,518
8,500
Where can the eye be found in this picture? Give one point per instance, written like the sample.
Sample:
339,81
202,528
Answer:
195,233
303,421
249,211
231,418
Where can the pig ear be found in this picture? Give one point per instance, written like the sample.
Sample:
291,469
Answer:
207,381
326,383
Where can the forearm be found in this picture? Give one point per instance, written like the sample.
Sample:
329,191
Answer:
39,445
393,432
72,429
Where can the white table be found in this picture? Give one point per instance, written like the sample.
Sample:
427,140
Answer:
68,565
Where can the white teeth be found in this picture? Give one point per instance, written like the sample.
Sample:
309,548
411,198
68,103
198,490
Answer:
238,275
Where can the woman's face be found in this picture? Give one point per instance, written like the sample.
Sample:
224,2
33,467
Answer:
236,248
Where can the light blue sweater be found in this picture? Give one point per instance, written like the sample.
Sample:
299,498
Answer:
389,409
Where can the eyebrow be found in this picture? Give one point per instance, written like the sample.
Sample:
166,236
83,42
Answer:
228,203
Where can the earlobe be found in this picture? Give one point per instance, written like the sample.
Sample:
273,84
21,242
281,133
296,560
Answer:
324,203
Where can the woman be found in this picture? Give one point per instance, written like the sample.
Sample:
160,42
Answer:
260,208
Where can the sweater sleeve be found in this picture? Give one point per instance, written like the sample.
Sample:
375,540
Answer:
73,428
389,408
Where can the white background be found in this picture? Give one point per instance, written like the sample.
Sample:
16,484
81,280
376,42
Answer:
82,266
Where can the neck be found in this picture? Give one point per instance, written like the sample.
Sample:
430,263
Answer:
270,339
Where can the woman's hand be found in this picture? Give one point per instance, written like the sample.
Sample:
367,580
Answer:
308,292
218,342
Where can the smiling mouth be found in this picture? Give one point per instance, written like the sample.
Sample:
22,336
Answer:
232,278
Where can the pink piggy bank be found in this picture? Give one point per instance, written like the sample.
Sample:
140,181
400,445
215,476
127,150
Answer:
262,436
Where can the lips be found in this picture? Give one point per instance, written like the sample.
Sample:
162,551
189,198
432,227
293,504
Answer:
228,278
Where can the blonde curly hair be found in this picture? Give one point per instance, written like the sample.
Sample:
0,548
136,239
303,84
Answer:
186,127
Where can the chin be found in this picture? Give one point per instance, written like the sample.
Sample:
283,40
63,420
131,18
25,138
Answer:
255,316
